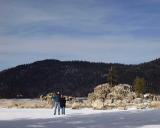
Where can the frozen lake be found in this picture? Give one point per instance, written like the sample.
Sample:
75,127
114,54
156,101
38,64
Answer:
82,118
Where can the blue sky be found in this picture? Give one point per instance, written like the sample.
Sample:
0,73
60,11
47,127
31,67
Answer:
122,31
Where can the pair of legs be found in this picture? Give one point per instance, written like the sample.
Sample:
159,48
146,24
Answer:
63,110
57,106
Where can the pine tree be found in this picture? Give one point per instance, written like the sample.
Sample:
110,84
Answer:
139,85
112,77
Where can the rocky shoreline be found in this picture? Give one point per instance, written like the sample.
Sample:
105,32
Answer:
120,96
104,96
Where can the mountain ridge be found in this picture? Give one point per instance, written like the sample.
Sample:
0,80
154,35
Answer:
76,78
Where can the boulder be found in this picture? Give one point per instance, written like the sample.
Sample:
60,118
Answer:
98,104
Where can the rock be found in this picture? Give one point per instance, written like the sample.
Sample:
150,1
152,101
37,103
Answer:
75,105
98,104
138,101
122,108
118,102
106,96
141,106
108,101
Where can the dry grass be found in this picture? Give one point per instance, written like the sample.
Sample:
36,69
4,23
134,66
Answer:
155,104
23,103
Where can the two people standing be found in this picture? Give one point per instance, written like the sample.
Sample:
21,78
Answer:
59,103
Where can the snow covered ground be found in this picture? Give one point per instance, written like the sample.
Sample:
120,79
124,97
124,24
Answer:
82,118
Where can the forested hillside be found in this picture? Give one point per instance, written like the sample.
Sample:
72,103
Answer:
76,78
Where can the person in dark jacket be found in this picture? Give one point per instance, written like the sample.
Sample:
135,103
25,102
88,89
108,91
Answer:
63,104
56,99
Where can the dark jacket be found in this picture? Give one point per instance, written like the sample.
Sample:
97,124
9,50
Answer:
62,102
56,98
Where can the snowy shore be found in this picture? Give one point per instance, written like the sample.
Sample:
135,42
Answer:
82,118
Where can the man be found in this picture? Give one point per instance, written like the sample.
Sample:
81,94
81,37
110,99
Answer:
56,99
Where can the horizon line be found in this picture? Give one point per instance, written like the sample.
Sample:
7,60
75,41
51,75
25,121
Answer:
80,60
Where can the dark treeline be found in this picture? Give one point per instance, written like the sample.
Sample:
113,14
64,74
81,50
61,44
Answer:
76,78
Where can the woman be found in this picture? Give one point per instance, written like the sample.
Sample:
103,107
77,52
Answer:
63,104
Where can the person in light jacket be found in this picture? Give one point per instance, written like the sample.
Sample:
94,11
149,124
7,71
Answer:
56,99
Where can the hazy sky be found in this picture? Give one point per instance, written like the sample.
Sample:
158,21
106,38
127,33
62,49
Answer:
123,31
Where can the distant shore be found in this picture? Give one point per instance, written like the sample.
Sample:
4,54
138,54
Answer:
23,103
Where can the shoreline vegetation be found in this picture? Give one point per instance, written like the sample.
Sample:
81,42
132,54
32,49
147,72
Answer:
104,97
37,103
